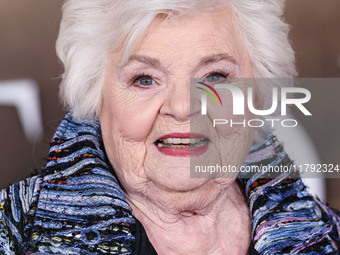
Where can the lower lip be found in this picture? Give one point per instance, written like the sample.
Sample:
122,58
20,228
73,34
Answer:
185,152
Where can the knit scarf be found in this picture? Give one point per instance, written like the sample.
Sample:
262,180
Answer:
76,205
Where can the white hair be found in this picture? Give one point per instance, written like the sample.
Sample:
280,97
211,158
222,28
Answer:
91,29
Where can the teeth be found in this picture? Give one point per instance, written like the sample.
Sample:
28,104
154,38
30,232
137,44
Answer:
186,140
182,142
167,140
176,140
196,140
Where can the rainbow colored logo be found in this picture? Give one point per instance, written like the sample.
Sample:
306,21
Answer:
209,93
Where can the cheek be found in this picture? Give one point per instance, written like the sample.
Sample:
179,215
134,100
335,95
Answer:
128,117
226,122
223,116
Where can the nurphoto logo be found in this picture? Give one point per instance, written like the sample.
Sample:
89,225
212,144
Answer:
239,100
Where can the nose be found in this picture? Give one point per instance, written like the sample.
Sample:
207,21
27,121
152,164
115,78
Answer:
177,102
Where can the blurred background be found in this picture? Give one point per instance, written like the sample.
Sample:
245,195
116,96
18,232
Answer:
30,70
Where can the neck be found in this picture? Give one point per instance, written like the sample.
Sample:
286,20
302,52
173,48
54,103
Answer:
212,222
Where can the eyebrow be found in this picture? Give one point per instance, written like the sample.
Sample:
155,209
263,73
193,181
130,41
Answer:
145,60
203,61
216,58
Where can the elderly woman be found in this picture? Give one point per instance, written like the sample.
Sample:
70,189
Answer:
117,180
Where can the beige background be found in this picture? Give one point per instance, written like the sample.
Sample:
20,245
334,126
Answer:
28,30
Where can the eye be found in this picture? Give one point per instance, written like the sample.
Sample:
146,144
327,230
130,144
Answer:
143,80
216,77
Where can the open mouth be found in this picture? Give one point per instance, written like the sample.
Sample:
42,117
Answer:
181,143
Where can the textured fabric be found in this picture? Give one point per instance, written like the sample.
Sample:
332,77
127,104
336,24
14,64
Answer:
76,206
285,218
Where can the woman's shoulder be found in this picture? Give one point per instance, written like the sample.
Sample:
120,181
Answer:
18,197
16,207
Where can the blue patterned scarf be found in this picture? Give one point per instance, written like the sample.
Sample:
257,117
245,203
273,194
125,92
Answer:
76,205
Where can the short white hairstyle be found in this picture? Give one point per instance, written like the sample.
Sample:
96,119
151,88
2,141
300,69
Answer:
91,29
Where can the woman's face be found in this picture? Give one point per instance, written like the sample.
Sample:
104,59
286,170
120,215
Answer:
146,110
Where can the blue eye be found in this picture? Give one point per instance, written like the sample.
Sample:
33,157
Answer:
216,77
142,80
146,81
